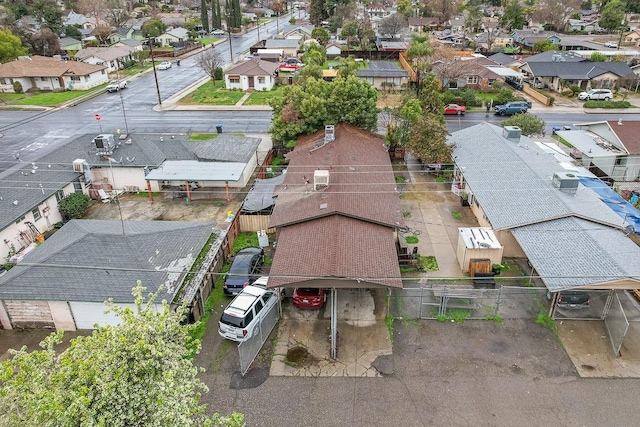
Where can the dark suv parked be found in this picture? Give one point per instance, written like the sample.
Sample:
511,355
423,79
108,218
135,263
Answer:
573,299
245,269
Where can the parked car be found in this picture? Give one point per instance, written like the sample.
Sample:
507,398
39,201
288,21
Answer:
513,107
244,270
261,282
245,312
165,65
293,61
596,94
116,86
573,299
455,109
218,32
611,44
310,298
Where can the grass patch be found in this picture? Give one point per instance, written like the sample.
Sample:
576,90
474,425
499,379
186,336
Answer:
457,316
245,240
50,99
400,180
211,94
224,349
202,136
456,215
216,297
412,240
145,194
428,263
545,320
132,71
562,141
262,97
607,104
389,322
441,179
406,214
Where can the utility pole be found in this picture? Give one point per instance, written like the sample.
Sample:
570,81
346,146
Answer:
155,73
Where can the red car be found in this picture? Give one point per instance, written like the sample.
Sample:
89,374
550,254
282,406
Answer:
309,297
455,109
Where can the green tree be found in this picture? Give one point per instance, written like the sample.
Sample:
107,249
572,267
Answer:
419,56
204,15
406,8
74,205
399,121
315,55
514,16
140,56
153,28
48,12
317,12
307,108
321,35
428,140
348,67
529,123
612,15
72,31
598,57
216,14
137,373
543,45
10,46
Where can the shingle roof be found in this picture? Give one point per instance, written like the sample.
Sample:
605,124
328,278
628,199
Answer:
578,70
512,181
91,261
368,72
629,134
282,43
105,53
254,67
41,66
502,58
338,247
361,180
550,54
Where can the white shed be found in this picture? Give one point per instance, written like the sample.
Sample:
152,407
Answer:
477,243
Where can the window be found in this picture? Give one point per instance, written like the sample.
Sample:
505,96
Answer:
59,195
259,306
3,81
75,78
234,79
261,80
44,79
36,214
19,220
472,80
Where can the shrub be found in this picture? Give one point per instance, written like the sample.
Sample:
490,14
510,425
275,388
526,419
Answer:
567,93
17,87
607,104
470,99
503,96
74,205
575,89
218,74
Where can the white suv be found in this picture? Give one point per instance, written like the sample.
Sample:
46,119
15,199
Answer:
247,309
596,94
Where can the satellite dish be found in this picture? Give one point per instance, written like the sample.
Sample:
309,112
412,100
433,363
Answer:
629,229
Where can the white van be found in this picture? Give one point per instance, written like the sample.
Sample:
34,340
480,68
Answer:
245,311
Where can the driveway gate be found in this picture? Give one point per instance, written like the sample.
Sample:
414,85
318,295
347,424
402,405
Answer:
616,323
248,350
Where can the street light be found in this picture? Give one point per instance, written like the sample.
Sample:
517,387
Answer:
155,73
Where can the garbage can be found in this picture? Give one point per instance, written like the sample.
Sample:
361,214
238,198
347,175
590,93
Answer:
219,128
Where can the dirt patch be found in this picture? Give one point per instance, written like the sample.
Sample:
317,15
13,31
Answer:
389,100
299,357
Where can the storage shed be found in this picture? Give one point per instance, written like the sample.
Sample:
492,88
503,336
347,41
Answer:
477,243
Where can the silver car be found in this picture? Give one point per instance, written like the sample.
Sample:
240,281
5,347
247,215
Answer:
596,94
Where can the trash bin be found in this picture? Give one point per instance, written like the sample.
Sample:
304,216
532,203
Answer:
219,128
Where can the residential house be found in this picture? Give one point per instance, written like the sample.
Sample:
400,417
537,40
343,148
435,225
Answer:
456,24
176,36
562,70
633,38
609,149
376,12
542,207
132,31
504,59
64,282
424,24
582,26
492,41
633,21
70,46
28,23
571,228
44,73
390,77
333,50
297,31
253,74
113,57
527,38
336,214
79,21
249,16
290,46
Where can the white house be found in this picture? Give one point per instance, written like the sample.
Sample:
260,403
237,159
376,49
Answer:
253,74
333,49
44,73
176,35
112,57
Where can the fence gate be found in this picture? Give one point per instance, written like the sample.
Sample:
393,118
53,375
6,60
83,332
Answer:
248,350
616,323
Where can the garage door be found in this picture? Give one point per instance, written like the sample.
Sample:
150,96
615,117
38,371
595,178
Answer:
29,314
86,314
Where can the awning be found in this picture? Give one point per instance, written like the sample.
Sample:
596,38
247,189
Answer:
261,194
193,170
505,71
612,199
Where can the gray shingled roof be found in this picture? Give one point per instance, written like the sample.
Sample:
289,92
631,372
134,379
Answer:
282,43
91,261
578,70
368,72
512,181
579,253
502,58
571,240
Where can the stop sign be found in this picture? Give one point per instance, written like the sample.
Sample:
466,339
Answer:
97,116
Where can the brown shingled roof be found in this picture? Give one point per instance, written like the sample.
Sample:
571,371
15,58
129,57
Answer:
336,247
42,66
629,134
361,180
254,67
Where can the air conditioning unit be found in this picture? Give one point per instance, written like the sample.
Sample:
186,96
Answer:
320,179
566,182
77,165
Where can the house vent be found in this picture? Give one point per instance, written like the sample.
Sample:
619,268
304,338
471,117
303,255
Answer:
329,133
320,179
566,182
77,165
557,57
512,133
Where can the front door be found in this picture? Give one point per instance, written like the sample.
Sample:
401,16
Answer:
251,82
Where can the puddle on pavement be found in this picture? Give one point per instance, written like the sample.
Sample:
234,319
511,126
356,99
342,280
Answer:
299,357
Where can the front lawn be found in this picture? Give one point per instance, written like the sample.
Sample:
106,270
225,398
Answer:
213,95
263,97
51,99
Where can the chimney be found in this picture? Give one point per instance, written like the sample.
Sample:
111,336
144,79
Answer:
512,133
